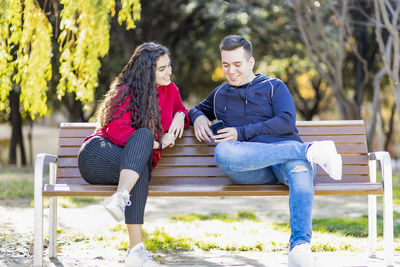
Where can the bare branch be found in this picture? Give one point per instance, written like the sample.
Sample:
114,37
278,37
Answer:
330,53
306,39
385,17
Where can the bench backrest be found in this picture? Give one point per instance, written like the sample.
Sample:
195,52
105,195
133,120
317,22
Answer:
190,162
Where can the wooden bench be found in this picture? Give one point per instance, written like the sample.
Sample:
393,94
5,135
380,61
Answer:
189,169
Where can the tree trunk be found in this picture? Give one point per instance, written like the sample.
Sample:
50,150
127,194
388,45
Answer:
347,107
375,106
389,133
16,132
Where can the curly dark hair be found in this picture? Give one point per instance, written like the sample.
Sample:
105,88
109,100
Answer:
137,80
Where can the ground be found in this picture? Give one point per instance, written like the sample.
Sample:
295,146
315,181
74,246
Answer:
88,236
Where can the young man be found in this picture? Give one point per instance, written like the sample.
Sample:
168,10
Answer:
260,143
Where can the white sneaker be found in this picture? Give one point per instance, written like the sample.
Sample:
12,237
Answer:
138,257
325,155
301,256
116,204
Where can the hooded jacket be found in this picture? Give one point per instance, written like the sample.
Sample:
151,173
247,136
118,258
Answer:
261,111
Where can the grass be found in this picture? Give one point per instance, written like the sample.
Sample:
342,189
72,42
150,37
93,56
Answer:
396,190
159,240
225,217
347,226
18,184
16,189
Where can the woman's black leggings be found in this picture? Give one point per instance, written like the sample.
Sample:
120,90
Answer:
100,162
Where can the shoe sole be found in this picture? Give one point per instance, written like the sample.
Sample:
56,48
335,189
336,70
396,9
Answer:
111,211
336,174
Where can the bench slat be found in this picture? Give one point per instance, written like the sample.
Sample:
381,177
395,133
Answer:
345,139
303,130
205,161
208,171
334,130
209,150
163,181
200,181
226,190
186,140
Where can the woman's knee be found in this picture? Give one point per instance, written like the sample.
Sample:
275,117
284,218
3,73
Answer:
144,132
144,135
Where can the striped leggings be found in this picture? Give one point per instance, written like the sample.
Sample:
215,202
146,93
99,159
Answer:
100,162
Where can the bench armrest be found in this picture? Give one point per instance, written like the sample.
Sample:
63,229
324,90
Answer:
40,163
386,165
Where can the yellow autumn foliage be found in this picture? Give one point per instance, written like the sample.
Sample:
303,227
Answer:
26,48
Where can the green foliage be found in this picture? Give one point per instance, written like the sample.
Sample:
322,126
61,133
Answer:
84,38
239,216
34,59
26,48
125,14
10,36
26,51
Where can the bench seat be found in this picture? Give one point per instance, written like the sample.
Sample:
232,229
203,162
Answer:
215,190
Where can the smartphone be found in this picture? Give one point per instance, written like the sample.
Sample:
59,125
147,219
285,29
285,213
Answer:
218,125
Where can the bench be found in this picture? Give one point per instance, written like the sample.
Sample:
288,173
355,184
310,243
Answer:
189,169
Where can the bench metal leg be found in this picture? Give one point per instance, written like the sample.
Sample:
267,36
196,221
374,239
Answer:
372,226
38,212
386,169
388,210
40,162
53,215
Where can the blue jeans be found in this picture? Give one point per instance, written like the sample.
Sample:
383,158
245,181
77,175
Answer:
275,163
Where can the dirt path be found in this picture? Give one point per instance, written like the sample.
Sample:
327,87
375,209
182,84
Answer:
91,223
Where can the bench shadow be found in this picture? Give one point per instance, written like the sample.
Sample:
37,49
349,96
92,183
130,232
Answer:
214,260
56,262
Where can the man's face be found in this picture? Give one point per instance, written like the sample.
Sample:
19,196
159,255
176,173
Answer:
237,67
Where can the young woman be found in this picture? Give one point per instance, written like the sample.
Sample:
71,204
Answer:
142,113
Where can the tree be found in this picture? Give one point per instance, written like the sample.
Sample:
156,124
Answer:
327,45
387,27
26,50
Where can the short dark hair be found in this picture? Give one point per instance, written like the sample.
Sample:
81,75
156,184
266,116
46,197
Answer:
231,42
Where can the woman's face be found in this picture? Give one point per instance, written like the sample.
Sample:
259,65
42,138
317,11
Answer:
163,70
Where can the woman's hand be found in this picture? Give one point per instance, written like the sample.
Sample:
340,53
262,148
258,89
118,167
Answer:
156,145
177,125
167,140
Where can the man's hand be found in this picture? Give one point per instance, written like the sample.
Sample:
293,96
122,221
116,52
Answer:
202,128
177,125
226,134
